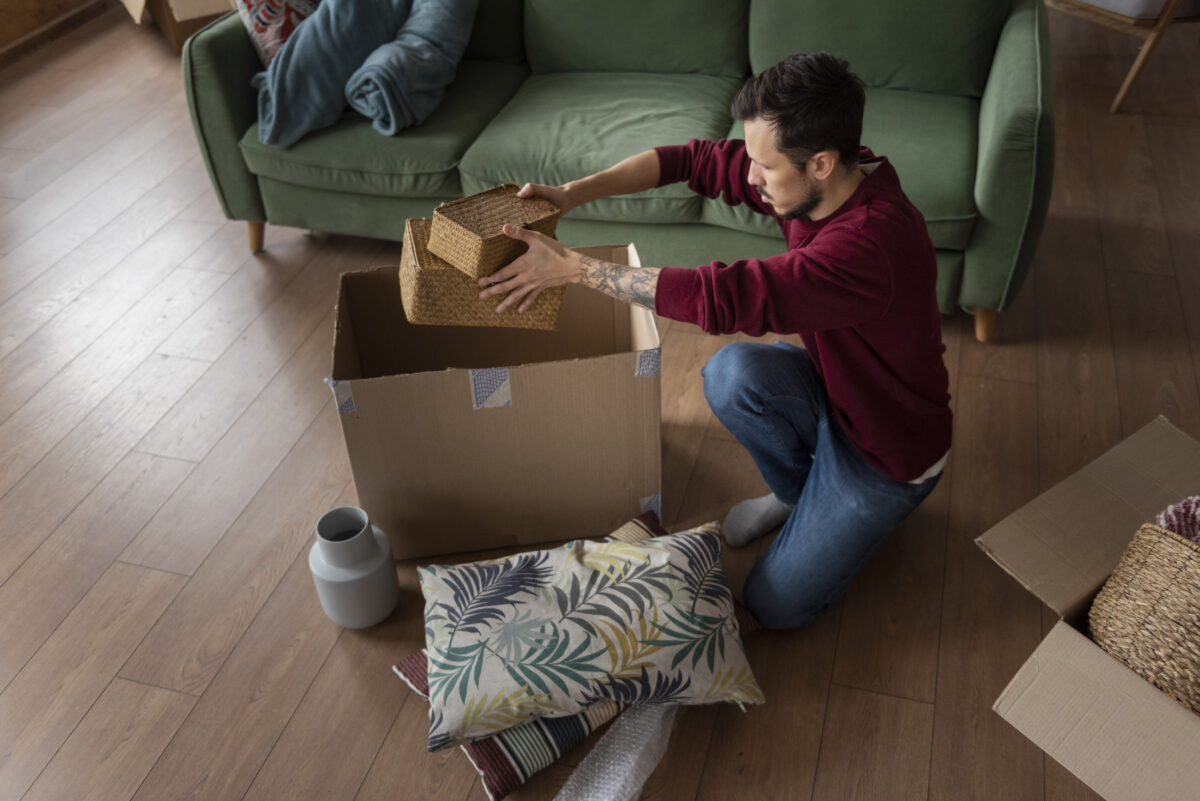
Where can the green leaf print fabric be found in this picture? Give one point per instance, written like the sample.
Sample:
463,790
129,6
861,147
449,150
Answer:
546,633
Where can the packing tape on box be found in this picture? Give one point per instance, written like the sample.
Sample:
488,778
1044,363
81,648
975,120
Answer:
649,363
343,395
490,388
653,503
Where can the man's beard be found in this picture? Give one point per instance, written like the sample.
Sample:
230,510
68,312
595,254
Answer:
802,209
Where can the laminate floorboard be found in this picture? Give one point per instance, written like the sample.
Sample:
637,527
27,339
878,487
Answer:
72,275
890,622
874,747
28,260
167,445
37,360
403,770
685,413
47,493
747,756
1078,408
10,159
115,745
1012,356
183,533
206,621
66,399
976,754
254,356
353,701
1134,235
232,310
147,96
238,720
1155,371
40,594
94,171
49,697
1181,209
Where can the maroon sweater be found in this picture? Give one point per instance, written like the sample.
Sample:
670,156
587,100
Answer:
858,287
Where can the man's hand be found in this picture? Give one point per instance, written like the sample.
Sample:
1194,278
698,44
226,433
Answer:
558,195
547,263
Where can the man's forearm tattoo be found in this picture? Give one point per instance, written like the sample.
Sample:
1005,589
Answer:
630,284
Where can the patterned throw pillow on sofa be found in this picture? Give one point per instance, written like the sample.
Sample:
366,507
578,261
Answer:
544,634
271,22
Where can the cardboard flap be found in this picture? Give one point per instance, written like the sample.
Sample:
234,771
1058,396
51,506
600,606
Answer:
1063,544
1118,733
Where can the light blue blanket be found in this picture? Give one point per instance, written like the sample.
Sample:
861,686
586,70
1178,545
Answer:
403,81
392,59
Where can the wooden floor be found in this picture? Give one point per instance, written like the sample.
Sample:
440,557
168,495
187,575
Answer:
167,444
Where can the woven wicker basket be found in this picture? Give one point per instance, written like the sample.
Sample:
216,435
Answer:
434,293
469,233
1147,614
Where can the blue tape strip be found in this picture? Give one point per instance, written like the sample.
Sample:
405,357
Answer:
653,503
649,362
343,396
490,388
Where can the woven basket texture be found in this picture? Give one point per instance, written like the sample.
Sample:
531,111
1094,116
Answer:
469,233
1147,614
434,293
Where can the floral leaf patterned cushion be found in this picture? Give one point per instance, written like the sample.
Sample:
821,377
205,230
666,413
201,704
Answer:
546,633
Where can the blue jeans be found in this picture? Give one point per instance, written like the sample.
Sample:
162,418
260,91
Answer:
772,398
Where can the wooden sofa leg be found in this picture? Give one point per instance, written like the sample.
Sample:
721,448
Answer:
985,324
256,230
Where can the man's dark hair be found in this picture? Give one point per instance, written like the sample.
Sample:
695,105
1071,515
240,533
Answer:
814,101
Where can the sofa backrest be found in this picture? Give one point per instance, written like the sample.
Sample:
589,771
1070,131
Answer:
499,32
936,46
663,36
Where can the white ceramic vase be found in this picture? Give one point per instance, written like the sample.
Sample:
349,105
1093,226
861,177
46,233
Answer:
351,564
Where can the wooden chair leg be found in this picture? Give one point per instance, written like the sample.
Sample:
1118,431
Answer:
985,325
256,230
1147,48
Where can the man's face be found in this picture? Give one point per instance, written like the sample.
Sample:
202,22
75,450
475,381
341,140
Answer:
788,189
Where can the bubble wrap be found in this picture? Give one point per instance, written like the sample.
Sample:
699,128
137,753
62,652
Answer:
624,757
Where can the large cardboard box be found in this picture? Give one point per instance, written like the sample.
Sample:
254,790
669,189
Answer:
1122,736
469,438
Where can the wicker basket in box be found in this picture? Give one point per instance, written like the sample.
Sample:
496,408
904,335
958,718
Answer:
1147,614
469,233
434,293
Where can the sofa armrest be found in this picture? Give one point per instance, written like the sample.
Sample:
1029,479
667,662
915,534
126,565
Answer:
218,62
1015,166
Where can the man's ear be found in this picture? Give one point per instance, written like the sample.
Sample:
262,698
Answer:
823,164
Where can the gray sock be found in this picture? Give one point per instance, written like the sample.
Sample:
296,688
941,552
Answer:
751,519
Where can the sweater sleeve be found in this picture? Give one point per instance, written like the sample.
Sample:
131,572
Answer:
844,281
712,169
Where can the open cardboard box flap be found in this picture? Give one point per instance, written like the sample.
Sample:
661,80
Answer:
1116,731
1063,544
1121,735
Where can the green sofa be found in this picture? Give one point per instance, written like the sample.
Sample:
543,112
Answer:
958,98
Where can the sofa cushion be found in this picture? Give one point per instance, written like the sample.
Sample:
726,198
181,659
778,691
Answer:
924,45
931,140
419,162
499,32
706,36
565,126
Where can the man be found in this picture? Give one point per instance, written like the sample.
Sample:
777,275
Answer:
850,433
